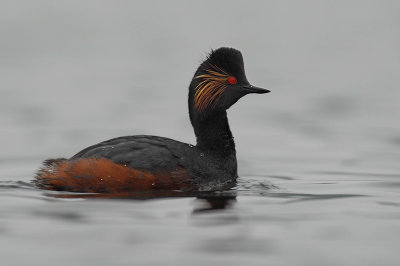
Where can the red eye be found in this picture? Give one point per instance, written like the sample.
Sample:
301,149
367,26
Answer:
232,80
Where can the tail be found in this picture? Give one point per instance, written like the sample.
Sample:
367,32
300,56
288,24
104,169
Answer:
100,175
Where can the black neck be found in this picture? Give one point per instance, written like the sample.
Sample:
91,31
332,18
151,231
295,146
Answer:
213,134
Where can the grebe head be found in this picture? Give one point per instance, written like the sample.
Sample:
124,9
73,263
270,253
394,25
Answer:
218,83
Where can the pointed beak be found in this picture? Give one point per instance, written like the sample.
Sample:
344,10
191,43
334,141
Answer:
253,89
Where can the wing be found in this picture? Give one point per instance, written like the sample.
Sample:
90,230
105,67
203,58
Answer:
138,152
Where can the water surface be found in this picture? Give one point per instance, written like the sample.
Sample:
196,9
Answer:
318,156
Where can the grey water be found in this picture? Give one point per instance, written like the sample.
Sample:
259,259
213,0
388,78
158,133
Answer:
319,157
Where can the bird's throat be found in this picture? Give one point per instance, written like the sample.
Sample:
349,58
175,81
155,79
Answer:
214,135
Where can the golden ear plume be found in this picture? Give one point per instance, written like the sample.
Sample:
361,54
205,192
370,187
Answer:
211,88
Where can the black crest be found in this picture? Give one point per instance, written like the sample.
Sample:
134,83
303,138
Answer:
228,59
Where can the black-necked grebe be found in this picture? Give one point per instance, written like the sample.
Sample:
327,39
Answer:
146,163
